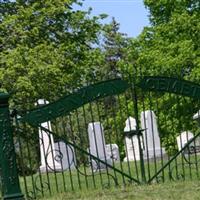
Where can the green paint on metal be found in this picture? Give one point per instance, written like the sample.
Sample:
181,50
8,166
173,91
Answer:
63,138
174,157
9,176
142,167
170,85
73,101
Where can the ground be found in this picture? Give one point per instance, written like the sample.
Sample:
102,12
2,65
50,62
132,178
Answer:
183,190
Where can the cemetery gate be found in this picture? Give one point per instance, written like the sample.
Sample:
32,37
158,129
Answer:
133,130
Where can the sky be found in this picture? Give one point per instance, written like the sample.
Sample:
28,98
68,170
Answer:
131,14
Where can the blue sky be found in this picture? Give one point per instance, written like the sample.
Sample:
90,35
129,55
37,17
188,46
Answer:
131,14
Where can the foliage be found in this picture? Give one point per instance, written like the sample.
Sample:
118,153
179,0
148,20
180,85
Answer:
114,45
162,10
170,47
46,48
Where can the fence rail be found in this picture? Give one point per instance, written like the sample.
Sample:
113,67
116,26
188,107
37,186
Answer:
118,132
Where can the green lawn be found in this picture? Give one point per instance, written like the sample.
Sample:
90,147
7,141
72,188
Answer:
73,185
183,190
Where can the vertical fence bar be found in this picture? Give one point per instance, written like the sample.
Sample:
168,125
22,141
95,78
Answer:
136,111
9,176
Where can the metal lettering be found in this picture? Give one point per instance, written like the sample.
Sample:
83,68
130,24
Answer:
170,85
151,83
163,84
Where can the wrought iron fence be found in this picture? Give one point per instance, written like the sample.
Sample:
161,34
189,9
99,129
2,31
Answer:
125,131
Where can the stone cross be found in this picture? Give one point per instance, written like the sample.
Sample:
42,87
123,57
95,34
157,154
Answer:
132,144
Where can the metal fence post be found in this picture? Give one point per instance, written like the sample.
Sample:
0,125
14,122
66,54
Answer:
142,166
9,176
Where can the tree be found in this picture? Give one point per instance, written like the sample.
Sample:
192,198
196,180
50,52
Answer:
161,11
169,47
113,49
46,48
114,45
46,51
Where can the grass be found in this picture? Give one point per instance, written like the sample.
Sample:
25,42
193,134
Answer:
183,190
72,185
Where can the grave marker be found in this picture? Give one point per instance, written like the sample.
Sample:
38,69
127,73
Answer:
184,138
65,155
97,145
152,145
132,144
47,147
112,151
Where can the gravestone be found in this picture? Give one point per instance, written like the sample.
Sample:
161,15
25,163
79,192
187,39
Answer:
152,145
197,140
132,144
97,145
65,155
184,138
47,147
112,150
197,117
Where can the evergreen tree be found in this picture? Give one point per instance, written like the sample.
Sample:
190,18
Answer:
114,47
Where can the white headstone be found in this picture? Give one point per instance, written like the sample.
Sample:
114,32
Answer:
47,147
65,155
132,144
97,145
197,116
152,145
183,139
112,151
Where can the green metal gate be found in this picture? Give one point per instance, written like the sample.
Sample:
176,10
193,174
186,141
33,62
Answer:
117,132
176,104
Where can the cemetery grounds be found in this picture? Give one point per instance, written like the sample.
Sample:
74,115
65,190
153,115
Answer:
148,166
188,189
182,190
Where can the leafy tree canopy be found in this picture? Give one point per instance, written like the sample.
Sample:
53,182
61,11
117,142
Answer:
171,46
161,11
46,47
